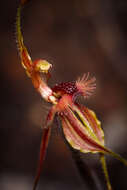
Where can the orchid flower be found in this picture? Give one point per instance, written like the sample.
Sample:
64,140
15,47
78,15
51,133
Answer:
80,125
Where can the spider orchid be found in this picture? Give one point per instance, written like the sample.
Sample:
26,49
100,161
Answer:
80,125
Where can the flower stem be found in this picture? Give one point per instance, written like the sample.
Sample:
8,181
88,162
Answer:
104,167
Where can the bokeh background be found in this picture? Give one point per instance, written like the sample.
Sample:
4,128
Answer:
76,36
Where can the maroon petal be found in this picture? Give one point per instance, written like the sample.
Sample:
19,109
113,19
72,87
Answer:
44,144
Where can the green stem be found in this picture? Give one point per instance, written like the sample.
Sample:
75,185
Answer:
118,157
104,167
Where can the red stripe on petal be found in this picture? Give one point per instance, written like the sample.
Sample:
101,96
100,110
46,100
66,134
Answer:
93,121
77,126
74,139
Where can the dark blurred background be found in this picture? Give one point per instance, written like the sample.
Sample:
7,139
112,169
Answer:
76,36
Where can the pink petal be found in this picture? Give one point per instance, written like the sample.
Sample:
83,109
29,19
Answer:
78,135
94,123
